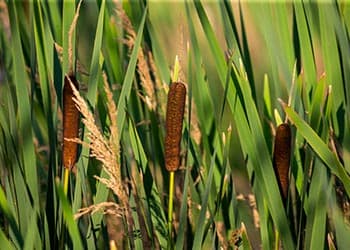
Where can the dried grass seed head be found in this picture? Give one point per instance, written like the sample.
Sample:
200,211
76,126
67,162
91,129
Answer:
101,147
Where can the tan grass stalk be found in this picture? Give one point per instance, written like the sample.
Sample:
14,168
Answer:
112,113
221,233
70,123
160,88
79,67
142,63
252,204
70,37
174,119
106,207
281,158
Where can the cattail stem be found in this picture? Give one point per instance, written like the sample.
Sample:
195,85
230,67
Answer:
170,207
277,240
174,119
66,181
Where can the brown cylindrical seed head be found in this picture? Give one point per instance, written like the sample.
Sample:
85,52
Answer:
174,119
281,157
70,123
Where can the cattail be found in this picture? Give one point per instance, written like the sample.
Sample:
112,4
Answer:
174,118
70,122
281,157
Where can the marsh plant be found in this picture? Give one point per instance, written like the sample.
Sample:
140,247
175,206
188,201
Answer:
242,143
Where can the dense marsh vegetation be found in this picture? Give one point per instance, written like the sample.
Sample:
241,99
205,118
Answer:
253,72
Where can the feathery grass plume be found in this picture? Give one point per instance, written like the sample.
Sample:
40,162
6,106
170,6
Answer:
107,207
174,118
79,67
281,157
70,122
101,148
112,113
107,152
143,68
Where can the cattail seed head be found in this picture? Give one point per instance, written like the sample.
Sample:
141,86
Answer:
70,122
281,157
174,119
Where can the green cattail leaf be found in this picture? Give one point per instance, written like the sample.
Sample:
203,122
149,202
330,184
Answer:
320,148
69,220
20,79
32,239
4,206
198,236
5,242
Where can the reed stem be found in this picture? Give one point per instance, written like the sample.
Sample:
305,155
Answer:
66,181
170,207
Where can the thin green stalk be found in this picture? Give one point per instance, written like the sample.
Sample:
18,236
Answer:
66,181
277,240
170,207
65,191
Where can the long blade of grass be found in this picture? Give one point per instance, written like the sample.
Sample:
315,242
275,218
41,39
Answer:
52,12
317,209
272,34
198,237
4,206
70,222
125,93
155,214
158,54
15,207
329,45
201,91
5,242
307,57
319,147
24,113
114,61
32,239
